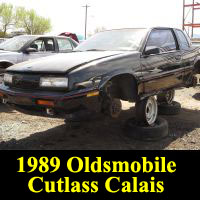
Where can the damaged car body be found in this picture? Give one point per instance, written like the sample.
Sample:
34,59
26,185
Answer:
132,65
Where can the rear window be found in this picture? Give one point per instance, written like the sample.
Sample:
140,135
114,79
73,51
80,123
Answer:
64,44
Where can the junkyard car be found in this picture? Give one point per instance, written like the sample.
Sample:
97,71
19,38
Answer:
71,35
127,64
28,47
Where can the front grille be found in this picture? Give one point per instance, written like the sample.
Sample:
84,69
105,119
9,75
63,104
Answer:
24,81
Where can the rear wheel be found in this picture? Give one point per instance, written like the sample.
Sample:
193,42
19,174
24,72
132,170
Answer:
147,111
169,109
147,133
166,97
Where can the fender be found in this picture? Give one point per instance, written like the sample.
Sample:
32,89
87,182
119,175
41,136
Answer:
124,85
6,62
108,77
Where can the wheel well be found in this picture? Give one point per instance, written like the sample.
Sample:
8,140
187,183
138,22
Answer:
5,64
123,87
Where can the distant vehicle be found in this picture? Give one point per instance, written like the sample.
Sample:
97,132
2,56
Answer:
81,38
28,47
71,35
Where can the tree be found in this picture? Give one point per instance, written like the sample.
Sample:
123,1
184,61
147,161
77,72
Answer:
31,22
19,17
6,17
41,25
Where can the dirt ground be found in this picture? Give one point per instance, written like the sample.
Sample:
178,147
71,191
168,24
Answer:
20,131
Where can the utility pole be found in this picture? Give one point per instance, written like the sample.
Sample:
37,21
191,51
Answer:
183,28
86,10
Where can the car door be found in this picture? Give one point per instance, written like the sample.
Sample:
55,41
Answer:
162,69
43,47
189,53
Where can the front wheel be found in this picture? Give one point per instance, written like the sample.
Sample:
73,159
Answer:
111,107
147,111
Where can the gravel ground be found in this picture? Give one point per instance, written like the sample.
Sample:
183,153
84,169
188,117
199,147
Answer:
20,131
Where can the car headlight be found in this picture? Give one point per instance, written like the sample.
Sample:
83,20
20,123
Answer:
60,82
8,78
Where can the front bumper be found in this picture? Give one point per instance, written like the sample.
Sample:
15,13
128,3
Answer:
60,102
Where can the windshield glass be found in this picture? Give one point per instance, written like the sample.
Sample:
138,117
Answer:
114,40
16,43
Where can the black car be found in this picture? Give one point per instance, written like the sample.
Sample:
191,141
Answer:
126,64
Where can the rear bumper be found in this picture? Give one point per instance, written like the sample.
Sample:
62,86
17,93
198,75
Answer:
59,102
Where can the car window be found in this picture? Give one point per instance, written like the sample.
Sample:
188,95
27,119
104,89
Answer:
115,40
74,43
64,44
38,45
49,45
43,44
163,39
183,41
16,43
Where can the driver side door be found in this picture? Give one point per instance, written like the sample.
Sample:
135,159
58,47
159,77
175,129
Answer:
162,70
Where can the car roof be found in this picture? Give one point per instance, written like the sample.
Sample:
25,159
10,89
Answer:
45,36
147,28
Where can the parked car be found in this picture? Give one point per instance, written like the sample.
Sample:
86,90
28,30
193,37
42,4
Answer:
27,47
71,35
126,64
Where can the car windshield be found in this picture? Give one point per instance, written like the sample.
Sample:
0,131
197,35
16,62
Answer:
16,43
114,40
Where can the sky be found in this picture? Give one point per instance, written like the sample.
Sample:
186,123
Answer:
69,15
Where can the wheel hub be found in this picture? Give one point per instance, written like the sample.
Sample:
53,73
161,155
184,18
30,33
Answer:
151,110
169,96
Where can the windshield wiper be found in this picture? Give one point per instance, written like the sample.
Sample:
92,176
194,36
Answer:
77,51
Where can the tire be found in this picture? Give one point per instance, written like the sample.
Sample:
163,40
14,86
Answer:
169,109
146,111
146,133
166,97
73,125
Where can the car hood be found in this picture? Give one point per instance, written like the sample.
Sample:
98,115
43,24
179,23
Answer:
4,53
61,63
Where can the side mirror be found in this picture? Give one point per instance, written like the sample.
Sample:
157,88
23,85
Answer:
152,50
30,50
